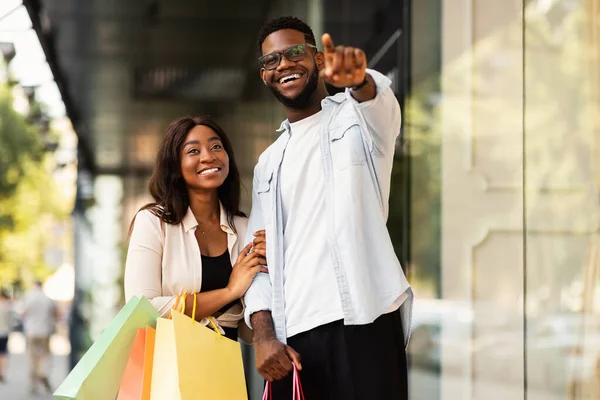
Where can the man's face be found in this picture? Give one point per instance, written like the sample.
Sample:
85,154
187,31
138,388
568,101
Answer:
293,83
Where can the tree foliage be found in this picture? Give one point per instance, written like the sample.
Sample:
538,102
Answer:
19,144
30,202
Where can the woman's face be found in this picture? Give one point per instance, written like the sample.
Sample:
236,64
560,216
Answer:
204,161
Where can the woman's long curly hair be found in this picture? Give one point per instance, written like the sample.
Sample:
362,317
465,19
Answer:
167,185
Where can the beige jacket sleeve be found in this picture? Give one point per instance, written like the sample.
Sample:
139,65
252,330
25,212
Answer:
143,268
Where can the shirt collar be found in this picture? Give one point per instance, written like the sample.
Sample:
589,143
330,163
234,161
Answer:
189,220
284,127
336,98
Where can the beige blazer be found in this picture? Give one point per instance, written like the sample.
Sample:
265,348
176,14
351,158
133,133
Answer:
163,261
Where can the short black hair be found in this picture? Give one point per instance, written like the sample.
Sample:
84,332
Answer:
280,23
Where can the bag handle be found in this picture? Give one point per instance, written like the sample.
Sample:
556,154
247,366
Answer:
210,319
194,309
297,385
182,307
176,303
296,388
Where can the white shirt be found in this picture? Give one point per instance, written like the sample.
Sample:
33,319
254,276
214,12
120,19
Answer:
40,314
311,293
358,144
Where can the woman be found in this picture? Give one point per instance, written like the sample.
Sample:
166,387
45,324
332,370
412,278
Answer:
188,240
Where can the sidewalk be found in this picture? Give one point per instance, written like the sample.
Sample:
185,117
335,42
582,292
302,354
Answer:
16,385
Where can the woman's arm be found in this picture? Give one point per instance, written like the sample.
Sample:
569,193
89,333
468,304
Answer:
143,272
143,268
242,274
208,303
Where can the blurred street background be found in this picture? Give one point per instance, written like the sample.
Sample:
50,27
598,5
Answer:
16,385
495,196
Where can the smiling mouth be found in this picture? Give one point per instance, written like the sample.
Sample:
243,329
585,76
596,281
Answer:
209,171
289,78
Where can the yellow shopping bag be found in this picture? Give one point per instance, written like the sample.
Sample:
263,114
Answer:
165,378
210,365
193,362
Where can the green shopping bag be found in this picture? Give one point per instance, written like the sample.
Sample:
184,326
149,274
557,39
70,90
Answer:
99,373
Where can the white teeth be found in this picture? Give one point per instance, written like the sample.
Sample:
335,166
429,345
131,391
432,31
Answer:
209,171
289,78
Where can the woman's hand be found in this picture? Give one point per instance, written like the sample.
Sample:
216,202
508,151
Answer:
248,264
260,245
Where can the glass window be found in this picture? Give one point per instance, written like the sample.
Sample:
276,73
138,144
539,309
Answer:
502,126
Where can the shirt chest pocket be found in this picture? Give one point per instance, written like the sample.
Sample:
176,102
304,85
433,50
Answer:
265,195
347,146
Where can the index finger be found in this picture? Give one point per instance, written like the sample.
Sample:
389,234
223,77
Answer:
294,357
262,232
244,252
327,43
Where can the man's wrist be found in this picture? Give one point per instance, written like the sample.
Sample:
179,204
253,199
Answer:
364,91
262,326
364,83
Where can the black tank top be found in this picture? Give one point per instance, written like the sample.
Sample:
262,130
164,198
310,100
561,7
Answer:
215,275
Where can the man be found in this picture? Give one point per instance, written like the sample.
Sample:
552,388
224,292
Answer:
335,286
40,316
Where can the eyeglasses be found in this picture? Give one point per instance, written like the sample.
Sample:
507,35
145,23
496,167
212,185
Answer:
293,53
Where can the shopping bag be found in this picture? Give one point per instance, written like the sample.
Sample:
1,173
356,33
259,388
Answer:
210,365
133,377
165,378
194,362
298,394
99,373
148,360
138,372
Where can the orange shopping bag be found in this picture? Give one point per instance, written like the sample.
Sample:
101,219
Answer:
138,372
148,362
131,384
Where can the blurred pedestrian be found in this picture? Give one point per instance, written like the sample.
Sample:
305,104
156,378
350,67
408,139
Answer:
6,324
40,316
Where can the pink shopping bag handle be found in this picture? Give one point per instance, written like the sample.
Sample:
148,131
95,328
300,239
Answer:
296,388
297,385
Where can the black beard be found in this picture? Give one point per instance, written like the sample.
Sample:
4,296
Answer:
301,101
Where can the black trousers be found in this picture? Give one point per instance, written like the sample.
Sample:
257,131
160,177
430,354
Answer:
358,362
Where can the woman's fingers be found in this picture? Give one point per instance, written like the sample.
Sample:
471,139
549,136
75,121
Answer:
251,260
243,253
259,268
